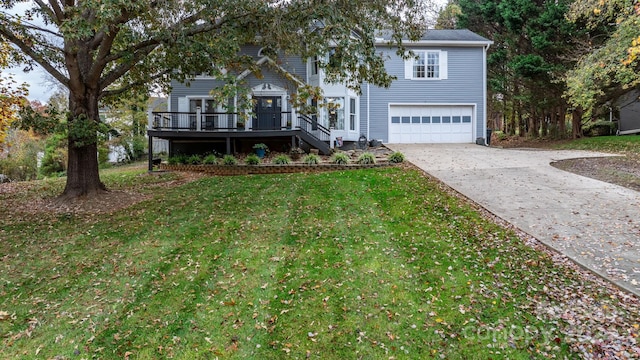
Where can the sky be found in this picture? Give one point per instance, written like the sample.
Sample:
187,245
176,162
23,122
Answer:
41,85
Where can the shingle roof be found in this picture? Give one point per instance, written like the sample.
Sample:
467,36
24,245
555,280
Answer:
458,35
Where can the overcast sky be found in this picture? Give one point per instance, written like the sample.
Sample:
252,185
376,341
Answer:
41,85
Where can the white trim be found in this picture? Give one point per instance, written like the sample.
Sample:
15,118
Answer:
443,63
451,43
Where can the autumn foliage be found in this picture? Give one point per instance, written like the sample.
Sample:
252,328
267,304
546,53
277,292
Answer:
12,95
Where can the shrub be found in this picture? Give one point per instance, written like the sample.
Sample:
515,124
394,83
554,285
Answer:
177,159
210,160
21,161
229,160
194,160
396,157
282,159
340,158
366,158
252,159
311,159
54,161
261,146
601,128
296,153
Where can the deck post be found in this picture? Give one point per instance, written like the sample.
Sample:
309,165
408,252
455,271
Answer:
228,145
198,118
293,141
150,153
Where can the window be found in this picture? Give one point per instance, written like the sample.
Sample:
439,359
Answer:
433,65
335,112
314,65
352,114
427,65
418,66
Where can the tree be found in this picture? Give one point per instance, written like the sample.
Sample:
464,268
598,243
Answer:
609,66
448,16
104,49
528,63
12,95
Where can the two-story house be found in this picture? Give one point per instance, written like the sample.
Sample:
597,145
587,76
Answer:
439,97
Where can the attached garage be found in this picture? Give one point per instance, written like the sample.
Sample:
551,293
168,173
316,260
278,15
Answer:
423,123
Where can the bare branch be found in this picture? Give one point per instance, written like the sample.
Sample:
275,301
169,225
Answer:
29,50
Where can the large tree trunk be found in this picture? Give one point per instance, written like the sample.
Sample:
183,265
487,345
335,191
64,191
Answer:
83,178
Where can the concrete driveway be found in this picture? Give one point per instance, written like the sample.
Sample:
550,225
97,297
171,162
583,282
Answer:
597,224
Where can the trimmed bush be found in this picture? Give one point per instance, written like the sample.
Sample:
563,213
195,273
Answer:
210,160
311,159
396,157
340,158
179,159
229,160
282,159
366,158
194,160
252,159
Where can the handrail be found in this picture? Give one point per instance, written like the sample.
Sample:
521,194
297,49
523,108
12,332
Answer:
313,128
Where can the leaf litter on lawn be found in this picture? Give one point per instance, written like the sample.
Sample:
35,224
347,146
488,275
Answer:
385,266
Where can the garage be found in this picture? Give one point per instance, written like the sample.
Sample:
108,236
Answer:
420,123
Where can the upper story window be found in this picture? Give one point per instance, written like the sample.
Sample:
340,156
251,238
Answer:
427,65
314,65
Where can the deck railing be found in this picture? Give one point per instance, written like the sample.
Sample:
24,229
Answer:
185,121
221,121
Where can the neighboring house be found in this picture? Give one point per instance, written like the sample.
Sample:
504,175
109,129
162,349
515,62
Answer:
439,97
629,106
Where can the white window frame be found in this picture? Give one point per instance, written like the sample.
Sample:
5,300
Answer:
421,59
314,66
353,117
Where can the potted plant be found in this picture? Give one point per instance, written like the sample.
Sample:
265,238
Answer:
240,124
260,149
296,153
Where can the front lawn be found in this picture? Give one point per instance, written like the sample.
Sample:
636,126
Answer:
369,264
625,144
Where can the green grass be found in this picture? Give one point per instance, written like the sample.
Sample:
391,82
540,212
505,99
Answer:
628,144
362,264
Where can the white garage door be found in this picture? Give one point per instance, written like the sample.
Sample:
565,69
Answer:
412,124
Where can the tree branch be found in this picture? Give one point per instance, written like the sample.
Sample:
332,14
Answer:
46,9
108,93
144,48
59,14
27,49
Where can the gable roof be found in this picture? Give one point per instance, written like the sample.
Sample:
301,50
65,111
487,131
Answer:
458,37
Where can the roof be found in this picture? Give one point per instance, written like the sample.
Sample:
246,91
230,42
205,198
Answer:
460,37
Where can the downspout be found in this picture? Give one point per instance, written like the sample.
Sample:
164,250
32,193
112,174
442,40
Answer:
484,90
368,111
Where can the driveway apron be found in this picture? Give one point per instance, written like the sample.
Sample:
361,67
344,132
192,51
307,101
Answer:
594,223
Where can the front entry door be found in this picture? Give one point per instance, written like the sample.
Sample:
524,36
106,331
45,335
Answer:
268,113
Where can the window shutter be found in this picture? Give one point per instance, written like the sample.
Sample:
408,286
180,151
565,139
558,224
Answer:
183,104
444,65
408,68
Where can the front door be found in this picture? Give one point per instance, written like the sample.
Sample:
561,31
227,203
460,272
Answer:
268,113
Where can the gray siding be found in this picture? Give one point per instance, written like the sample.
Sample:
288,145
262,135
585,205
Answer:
203,86
464,85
